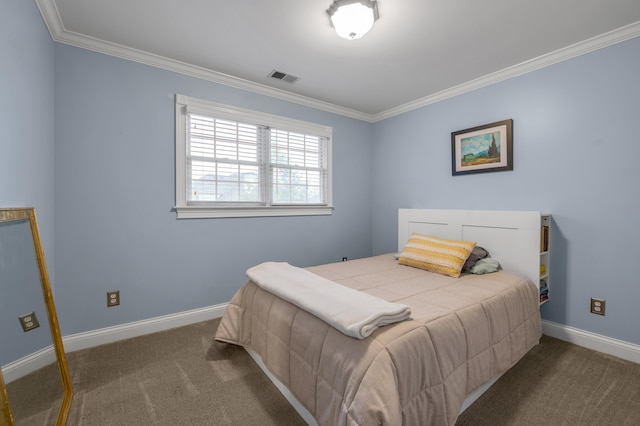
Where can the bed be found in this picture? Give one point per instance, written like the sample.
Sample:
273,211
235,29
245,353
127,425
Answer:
463,333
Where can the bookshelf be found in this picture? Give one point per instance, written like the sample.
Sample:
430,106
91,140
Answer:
545,249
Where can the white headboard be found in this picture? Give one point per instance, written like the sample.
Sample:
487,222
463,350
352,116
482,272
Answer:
510,237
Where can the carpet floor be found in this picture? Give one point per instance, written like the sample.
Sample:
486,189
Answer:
182,377
558,383
175,377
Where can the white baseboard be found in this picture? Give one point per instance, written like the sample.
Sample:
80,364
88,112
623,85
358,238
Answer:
597,342
74,342
89,339
28,364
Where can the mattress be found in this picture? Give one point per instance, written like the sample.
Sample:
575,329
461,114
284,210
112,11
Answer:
462,333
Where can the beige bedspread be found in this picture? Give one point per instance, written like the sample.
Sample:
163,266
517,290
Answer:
463,333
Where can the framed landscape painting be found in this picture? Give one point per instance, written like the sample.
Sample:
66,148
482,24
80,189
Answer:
487,148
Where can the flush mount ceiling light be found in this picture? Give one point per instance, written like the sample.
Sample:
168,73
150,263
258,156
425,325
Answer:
353,18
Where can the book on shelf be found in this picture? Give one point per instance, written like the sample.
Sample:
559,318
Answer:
543,269
544,296
544,290
544,238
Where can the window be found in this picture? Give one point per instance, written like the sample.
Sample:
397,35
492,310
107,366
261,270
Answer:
233,162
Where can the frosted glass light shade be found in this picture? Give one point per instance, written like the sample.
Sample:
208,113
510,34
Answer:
352,19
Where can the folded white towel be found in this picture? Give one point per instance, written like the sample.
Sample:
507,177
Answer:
352,312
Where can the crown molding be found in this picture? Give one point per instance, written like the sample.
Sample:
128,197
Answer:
51,16
599,42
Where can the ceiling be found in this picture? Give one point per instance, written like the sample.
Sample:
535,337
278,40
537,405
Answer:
418,52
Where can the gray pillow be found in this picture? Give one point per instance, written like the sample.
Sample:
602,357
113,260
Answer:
476,254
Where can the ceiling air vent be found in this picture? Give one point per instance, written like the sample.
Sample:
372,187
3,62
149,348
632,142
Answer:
279,75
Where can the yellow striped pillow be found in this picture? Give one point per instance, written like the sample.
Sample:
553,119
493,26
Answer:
436,254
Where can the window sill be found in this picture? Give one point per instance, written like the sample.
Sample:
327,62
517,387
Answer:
198,212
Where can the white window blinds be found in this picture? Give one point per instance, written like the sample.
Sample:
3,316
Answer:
298,168
230,158
224,161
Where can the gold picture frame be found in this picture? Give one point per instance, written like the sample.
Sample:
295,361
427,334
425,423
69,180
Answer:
21,217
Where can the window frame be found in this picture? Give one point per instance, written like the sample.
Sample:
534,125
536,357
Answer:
185,104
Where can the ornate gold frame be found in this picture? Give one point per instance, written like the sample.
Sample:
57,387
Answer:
17,214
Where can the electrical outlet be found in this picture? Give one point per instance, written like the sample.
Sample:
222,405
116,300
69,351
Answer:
597,306
113,298
29,321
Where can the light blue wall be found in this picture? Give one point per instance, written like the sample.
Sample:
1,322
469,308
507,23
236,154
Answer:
576,149
26,170
114,186
576,153
26,115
